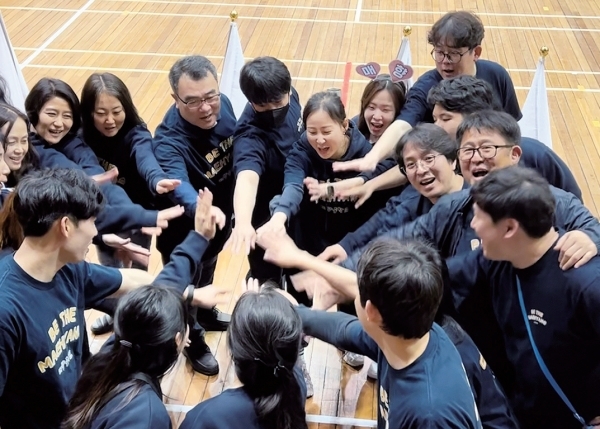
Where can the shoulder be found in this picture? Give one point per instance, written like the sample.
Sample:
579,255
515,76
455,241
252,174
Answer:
144,411
454,201
427,80
491,68
222,411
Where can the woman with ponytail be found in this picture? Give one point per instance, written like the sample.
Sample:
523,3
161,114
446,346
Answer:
120,386
264,339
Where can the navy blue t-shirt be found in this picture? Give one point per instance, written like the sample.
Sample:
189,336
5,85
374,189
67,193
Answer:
417,109
144,411
264,151
545,161
232,409
41,339
199,158
131,152
431,392
562,311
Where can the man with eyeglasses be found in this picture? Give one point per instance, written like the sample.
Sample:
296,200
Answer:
456,39
194,144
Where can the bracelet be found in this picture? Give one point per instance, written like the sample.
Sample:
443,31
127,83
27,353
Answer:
190,295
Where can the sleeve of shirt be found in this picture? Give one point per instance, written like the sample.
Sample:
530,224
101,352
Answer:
172,160
339,329
98,281
140,147
249,152
296,167
51,158
416,106
394,212
589,302
572,215
182,266
555,171
120,214
464,272
424,227
81,154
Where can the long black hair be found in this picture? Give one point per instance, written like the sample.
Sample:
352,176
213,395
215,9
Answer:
147,321
264,339
108,83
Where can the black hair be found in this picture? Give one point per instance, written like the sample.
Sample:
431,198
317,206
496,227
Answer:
45,196
493,121
3,91
463,94
265,80
329,102
382,82
31,161
196,67
108,83
45,90
517,193
403,280
264,340
427,138
147,321
459,29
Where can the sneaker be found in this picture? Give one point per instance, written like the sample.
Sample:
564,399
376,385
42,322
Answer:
310,390
354,360
372,372
102,325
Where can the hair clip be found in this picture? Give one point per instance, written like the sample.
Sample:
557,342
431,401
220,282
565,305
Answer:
398,71
126,344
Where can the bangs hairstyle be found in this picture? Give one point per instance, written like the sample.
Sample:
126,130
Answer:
106,83
149,319
265,80
264,339
517,193
403,281
463,94
45,90
427,138
491,121
383,82
8,117
45,196
457,30
327,101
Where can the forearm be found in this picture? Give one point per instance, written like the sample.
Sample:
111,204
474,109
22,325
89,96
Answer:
390,179
244,197
387,142
341,279
132,278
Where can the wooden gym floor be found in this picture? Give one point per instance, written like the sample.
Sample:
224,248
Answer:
139,40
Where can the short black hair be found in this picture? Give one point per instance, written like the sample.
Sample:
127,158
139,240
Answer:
463,94
265,80
403,280
196,67
491,120
428,138
459,29
45,90
45,196
517,193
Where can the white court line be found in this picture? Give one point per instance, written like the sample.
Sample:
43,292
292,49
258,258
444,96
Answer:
297,78
220,57
239,7
320,21
56,34
358,10
310,418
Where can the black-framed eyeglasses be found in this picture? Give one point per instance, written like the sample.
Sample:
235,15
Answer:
487,151
194,103
453,57
425,162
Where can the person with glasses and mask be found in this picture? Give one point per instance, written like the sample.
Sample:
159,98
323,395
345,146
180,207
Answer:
270,124
193,144
456,40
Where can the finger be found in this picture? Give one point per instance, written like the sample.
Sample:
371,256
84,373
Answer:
346,165
585,258
361,200
571,257
137,249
